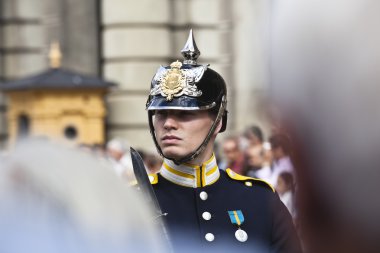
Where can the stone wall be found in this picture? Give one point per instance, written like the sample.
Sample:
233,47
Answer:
27,27
125,41
137,41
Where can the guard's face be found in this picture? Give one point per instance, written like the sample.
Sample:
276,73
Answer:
180,132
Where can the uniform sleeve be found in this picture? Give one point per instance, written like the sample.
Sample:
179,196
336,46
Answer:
284,236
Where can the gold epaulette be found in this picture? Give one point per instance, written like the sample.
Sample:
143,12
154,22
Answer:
249,181
153,178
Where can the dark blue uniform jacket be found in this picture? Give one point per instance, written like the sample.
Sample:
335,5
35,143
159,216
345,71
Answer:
267,222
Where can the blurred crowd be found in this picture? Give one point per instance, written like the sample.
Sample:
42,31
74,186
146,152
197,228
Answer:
56,199
250,154
116,155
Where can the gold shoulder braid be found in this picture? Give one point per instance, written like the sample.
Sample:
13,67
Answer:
248,180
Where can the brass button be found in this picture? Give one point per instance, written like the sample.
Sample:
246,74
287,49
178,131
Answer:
248,184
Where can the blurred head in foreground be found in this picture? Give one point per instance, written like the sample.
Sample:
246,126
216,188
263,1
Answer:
325,74
54,199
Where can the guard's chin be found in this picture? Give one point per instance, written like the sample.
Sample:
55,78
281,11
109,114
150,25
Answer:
173,153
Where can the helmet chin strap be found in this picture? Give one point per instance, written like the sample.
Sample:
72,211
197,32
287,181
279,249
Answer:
201,148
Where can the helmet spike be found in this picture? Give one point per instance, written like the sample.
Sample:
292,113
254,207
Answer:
190,51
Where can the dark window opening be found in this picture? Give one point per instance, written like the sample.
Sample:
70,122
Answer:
71,132
23,126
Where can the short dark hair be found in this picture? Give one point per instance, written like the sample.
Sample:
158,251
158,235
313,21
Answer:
288,179
255,130
280,141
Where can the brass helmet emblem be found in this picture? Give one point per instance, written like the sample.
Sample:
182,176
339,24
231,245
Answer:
175,82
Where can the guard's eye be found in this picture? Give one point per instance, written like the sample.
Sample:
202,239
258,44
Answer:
187,113
160,113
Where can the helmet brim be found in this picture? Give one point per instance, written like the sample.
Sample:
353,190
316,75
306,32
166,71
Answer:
179,103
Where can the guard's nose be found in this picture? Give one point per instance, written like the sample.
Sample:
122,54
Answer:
170,122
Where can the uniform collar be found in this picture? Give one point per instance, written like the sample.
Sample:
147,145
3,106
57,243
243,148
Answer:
191,175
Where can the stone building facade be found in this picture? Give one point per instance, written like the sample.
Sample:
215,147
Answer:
125,41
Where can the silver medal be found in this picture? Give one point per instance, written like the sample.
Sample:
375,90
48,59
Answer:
241,235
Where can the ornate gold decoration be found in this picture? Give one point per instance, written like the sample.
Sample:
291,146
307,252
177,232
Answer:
55,55
175,82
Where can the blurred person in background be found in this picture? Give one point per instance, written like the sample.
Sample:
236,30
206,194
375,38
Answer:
207,209
325,83
118,155
56,199
254,135
255,138
99,151
153,163
255,165
281,150
233,155
285,189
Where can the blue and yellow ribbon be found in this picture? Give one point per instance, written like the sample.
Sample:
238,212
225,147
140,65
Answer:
236,217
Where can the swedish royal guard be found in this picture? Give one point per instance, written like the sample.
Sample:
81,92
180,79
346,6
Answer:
207,209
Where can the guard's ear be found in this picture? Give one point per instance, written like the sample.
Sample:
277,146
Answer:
218,128
224,122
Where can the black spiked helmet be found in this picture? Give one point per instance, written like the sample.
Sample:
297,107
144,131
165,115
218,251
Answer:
188,86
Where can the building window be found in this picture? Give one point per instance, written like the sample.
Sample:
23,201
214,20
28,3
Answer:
23,126
71,132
